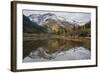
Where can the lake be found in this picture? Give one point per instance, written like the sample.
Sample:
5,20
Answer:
38,50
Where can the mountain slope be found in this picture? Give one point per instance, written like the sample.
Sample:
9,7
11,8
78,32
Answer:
53,23
32,27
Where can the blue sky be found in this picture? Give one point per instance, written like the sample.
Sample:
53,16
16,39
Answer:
70,16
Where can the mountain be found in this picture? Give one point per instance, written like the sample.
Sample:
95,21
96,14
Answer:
52,22
41,19
32,27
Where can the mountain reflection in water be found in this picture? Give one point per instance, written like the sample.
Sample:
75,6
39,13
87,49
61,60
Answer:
55,50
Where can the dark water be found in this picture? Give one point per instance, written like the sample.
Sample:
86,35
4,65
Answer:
55,50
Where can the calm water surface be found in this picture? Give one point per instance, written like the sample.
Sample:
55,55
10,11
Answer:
55,50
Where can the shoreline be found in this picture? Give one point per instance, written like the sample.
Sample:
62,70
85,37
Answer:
53,36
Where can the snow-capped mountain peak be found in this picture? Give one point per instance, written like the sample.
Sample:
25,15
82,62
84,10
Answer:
40,19
44,19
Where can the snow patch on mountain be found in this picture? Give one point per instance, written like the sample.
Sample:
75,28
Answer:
42,19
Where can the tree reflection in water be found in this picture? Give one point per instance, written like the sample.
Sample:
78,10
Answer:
55,49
